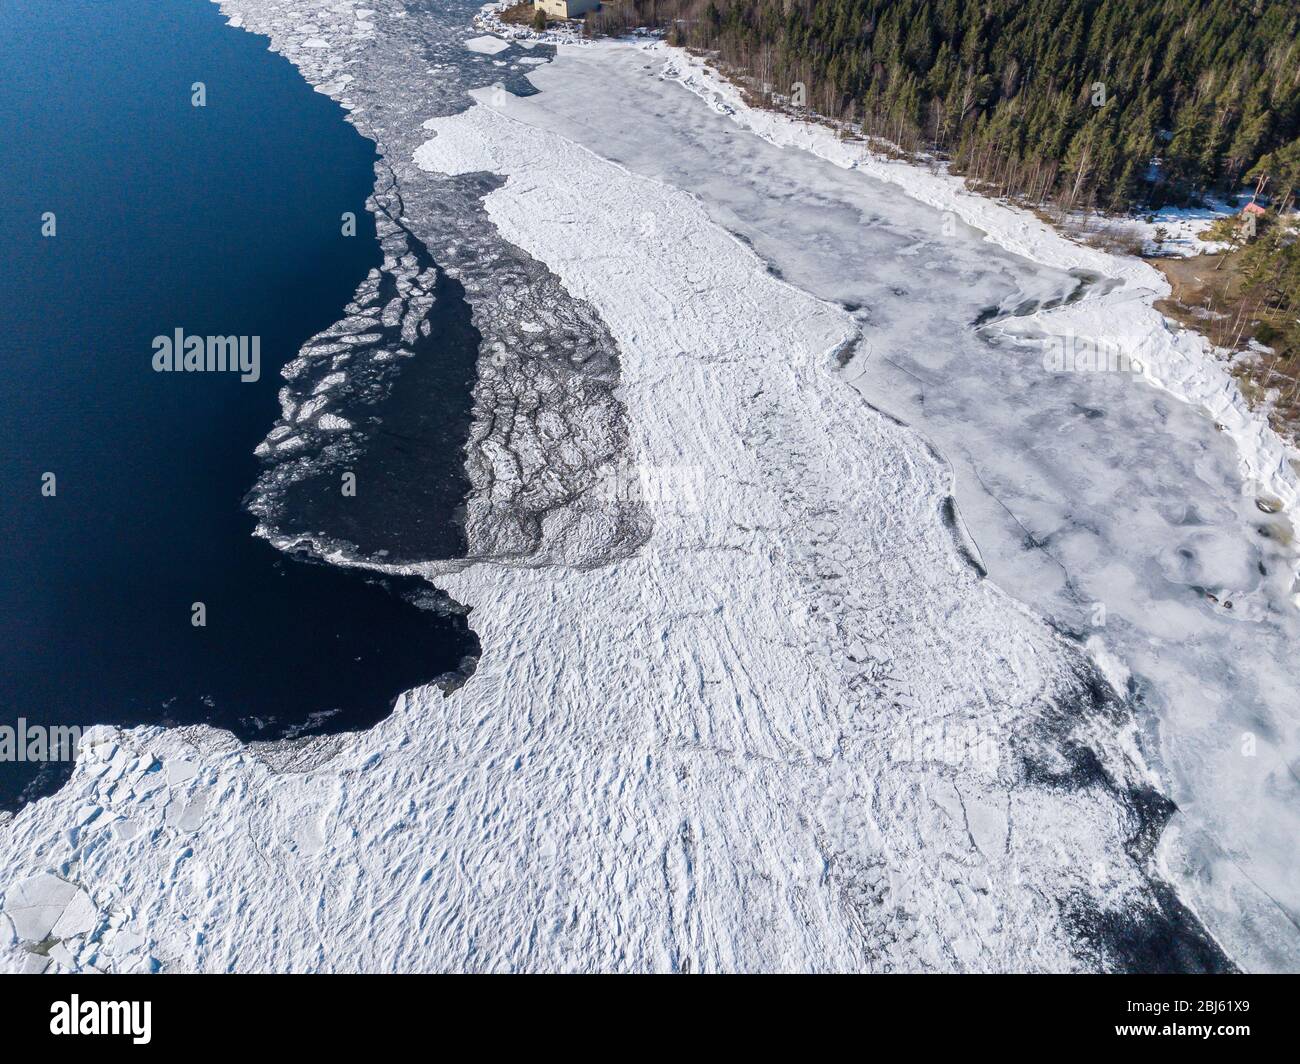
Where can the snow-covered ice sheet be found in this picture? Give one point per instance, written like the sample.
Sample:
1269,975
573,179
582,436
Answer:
1118,513
1178,360
487,45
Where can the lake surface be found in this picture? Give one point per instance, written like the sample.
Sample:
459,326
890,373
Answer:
223,220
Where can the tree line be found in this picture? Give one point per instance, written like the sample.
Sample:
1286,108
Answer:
1089,103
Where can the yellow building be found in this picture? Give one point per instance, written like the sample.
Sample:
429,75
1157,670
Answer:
565,8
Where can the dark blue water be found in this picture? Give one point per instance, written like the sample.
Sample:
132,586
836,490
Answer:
221,220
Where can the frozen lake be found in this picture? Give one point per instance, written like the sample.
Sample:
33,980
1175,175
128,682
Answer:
1113,509
747,698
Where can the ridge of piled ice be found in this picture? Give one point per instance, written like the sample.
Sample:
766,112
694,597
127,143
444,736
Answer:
526,497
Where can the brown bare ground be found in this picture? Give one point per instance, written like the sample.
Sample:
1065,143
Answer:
521,14
1207,296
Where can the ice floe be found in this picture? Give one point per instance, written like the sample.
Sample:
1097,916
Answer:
487,45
